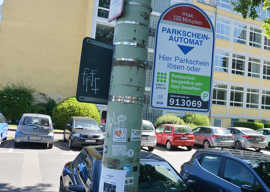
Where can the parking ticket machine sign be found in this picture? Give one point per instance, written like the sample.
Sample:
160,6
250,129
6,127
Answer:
183,60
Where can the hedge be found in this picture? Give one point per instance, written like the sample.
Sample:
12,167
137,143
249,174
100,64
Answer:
169,119
15,100
196,119
71,107
252,125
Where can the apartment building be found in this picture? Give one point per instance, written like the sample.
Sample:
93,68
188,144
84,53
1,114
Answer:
241,84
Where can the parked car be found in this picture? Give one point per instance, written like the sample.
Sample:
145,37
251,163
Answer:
82,131
148,136
227,170
266,133
35,128
83,174
209,136
3,128
248,138
175,135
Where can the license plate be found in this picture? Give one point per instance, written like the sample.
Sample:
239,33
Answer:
90,141
34,138
183,138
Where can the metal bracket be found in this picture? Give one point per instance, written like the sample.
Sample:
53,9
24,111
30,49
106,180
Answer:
132,23
140,4
129,43
127,99
129,62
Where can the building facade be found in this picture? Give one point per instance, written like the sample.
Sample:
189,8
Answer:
40,43
241,84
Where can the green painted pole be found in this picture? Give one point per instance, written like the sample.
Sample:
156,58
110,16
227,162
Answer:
126,96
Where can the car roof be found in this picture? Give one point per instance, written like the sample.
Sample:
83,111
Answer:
81,118
239,154
35,115
212,127
242,128
266,129
97,152
175,125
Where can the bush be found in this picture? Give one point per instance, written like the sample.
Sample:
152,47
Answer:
170,119
71,107
44,108
15,100
266,125
196,119
252,125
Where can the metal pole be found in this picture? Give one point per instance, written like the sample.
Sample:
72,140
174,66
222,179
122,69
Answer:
126,96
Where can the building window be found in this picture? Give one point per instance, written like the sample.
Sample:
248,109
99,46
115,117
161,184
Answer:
220,94
217,122
255,37
237,95
266,70
238,64
254,67
266,43
221,61
223,28
252,98
104,33
234,121
265,100
240,33
103,8
224,4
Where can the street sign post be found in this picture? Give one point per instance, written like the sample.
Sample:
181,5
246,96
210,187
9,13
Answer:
95,72
116,9
183,59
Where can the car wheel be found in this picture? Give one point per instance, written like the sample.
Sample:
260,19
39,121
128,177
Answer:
189,148
169,145
238,145
150,149
61,187
50,146
269,145
70,144
206,145
64,135
258,149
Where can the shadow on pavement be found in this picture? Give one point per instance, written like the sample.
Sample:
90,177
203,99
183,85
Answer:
10,144
5,187
64,146
163,148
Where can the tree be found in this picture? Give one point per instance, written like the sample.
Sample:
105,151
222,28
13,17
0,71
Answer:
248,10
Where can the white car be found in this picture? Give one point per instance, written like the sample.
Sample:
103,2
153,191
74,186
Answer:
148,136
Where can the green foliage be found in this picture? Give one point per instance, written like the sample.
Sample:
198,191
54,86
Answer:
252,125
197,119
169,119
248,10
15,100
266,125
71,107
44,108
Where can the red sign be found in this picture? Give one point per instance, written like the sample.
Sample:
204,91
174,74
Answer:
187,15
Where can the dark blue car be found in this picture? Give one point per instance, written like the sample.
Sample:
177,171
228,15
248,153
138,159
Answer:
3,128
83,174
227,170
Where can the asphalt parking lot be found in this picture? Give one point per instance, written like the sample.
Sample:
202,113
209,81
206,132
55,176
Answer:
33,168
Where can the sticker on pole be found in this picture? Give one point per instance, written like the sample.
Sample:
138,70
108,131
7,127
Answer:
183,60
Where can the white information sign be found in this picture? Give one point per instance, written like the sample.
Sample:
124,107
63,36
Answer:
112,180
183,60
116,9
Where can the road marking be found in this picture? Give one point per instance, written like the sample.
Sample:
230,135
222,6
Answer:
10,150
31,174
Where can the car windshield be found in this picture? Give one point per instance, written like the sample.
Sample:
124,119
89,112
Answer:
249,131
148,127
159,176
41,121
182,130
86,124
263,170
222,131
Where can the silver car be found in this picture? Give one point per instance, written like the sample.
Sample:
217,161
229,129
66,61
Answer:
209,136
35,128
248,138
266,133
148,136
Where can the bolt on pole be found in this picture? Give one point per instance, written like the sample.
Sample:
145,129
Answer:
126,96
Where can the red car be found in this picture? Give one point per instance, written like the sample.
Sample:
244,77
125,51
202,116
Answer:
175,135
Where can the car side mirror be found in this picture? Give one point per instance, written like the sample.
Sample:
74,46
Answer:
76,188
247,188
